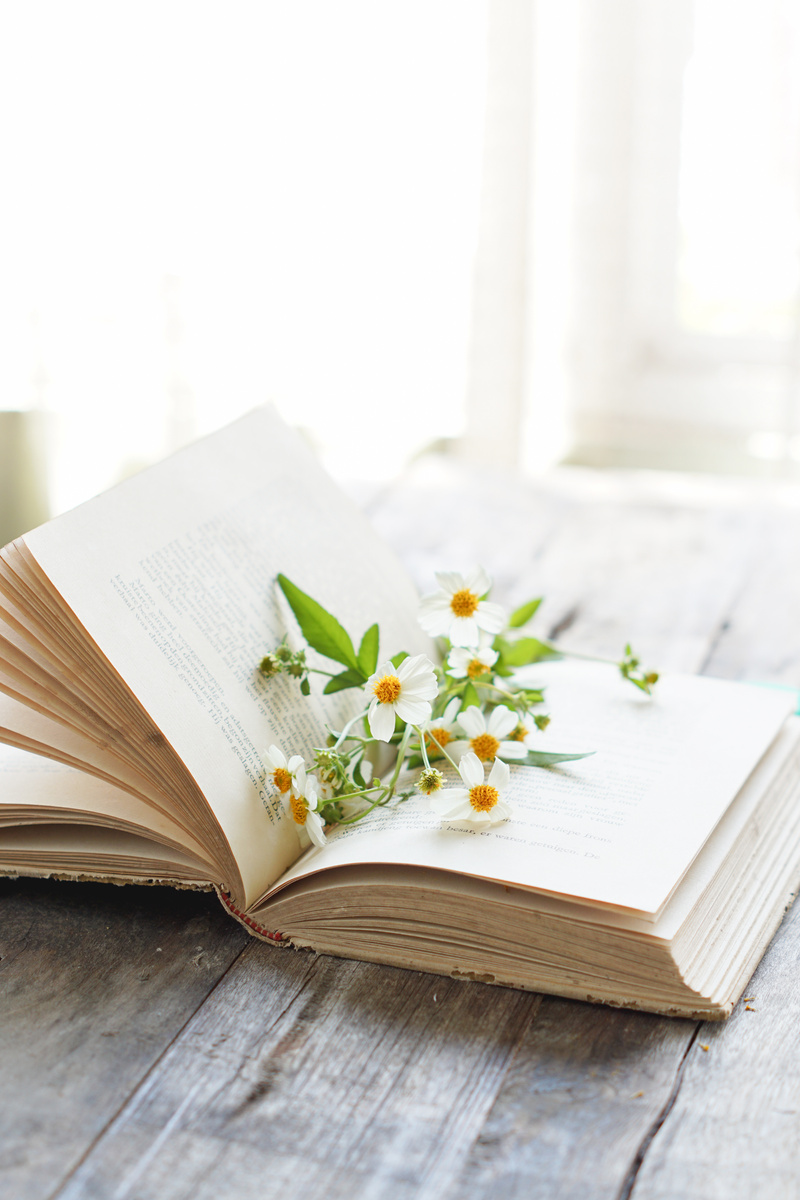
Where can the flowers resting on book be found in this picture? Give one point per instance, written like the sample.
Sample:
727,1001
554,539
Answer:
471,711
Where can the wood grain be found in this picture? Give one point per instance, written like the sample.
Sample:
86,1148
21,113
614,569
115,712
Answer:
734,1130
312,1075
95,982
315,1076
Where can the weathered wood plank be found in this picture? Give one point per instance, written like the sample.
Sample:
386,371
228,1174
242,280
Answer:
95,982
760,639
584,1090
305,1075
310,1075
734,1130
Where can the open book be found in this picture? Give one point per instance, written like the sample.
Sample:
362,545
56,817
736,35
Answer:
651,875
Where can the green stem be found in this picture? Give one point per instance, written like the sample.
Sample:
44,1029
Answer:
423,747
341,737
401,754
447,756
360,816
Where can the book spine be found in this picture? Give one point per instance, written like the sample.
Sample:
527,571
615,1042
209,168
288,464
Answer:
252,925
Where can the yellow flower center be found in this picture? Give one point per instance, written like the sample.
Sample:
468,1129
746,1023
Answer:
483,797
476,668
282,779
387,689
464,603
299,809
440,736
485,746
519,734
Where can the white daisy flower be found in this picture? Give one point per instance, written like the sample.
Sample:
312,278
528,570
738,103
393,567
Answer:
280,769
456,610
301,804
488,738
440,731
404,691
471,662
525,732
478,802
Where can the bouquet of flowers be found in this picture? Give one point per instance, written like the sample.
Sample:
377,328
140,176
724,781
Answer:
469,712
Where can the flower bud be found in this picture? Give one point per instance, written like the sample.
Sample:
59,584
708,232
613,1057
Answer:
269,665
430,781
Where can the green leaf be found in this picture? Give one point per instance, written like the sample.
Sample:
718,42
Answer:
396,659
526,650
523,614
319,628
368,652
347,679
541,758
305,686
470,697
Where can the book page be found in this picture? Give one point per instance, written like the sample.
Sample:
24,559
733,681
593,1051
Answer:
619,828
36,790
172,574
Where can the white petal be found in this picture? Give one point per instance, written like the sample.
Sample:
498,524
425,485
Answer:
435,602
458,659
451,711
414,711
381,720
472,721
461,812
491,617
315,828
501,812
499,775
385,668
421,681
436,622
478,581
276,758
421,687
470,768
409,666
294,762
478,817
445,802
300,777
512,750
501,721
464,631
450,581
456,672
458,749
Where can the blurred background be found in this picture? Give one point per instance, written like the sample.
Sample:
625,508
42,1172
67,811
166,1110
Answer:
522,232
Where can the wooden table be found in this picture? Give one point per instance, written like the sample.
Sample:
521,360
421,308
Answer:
149,1048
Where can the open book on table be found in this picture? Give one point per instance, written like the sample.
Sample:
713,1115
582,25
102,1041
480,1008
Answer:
651,875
